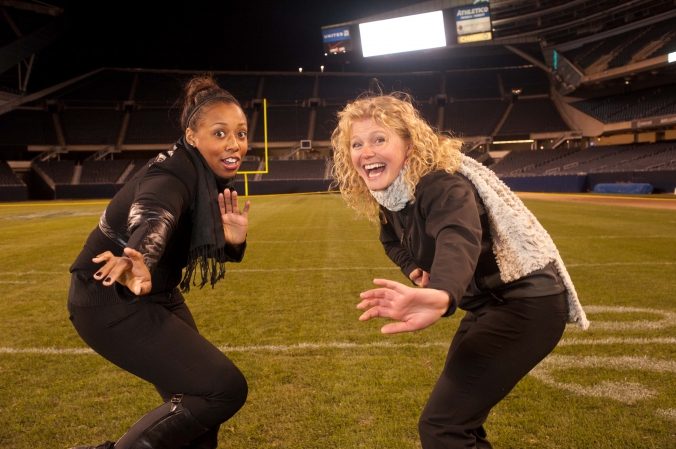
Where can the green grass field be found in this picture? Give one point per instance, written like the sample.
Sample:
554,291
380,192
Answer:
318,377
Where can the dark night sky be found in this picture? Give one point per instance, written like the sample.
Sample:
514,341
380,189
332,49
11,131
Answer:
197,35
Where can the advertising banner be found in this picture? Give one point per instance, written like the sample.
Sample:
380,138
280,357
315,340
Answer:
472,20
654,122
337,40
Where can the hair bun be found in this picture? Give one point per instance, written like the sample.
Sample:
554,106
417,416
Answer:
198,91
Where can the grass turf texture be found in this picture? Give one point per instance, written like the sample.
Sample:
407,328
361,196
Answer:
318,377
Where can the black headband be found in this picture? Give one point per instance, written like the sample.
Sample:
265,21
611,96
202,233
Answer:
196,108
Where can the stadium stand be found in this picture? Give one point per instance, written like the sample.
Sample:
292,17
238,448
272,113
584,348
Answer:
474,118
530,80
27,127
574,159
292,169
325,122
159,89
60,172
536,115
339,89
654,32
526,161
104,171
613,156
289,89
661,157
251,166
7,176
422,87
285,123
107,87
243,87
91,126
650,102
472,84
149,126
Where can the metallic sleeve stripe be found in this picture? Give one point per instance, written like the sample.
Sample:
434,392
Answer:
119,238
159,225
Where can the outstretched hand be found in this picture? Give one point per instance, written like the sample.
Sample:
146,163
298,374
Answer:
413,308
129,271
235,223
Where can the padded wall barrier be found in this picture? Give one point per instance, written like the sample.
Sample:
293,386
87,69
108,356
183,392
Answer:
663,181
546,183
14,193
624,187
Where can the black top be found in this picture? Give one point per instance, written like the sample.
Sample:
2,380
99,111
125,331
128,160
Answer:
446,232
160,230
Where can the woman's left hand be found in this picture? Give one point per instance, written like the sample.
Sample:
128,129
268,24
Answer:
235,223
414,308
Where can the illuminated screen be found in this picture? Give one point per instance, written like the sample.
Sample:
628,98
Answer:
672,57
409,33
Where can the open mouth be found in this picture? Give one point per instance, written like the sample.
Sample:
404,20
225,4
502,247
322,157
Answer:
230,163
374,170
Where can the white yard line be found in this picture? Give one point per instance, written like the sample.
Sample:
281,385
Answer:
337,345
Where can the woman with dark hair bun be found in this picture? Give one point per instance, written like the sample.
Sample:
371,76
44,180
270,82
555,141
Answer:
125,301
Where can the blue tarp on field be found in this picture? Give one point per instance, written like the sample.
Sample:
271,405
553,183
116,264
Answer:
623,187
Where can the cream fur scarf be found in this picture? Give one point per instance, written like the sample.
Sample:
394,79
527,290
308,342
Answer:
520,244
396,196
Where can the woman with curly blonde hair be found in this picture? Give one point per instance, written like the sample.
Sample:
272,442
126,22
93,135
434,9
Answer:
465,241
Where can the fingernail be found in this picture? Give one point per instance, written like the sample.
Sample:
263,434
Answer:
98,275
107,279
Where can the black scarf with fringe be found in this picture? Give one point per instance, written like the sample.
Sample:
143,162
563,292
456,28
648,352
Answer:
207,241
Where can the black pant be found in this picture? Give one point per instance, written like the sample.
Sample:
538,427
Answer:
159,342
492,350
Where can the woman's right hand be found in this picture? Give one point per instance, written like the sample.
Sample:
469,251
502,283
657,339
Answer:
420,277
129,271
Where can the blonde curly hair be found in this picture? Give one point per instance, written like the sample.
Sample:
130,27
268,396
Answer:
429,150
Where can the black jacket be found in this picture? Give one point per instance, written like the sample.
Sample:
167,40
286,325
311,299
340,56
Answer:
151,214
446,232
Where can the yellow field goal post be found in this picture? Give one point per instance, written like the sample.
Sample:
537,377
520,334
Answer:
265,146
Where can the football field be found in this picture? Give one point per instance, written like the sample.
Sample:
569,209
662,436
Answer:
319,378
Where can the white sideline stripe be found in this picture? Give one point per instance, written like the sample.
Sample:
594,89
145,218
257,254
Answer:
242,270
274,270
282,348
667,413
615,237
609,264
313,241
616,341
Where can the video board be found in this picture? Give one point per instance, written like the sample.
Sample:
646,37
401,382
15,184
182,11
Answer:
403,34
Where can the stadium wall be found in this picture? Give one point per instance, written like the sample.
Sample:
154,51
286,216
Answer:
547,183
283,186
663,181
85,191
14,193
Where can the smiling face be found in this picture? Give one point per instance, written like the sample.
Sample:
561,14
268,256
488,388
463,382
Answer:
221,138
378,153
